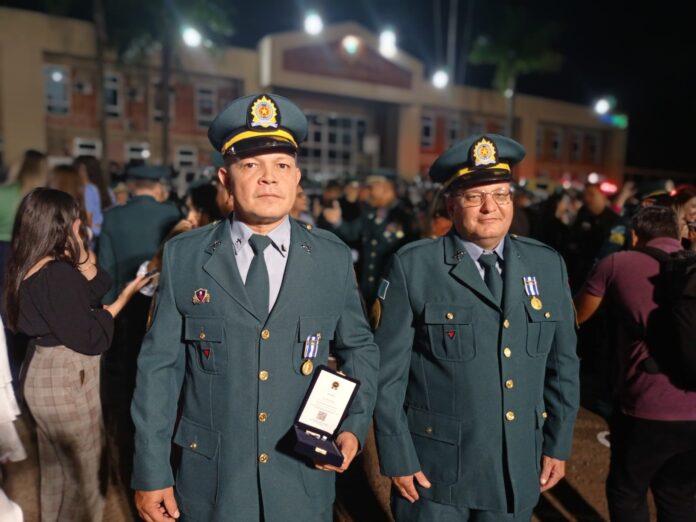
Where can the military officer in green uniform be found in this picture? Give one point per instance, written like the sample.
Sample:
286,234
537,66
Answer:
133,232
237,304
478,388
384,226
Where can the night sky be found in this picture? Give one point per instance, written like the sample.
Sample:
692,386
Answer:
643,56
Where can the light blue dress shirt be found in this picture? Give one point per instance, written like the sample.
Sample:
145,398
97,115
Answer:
276,255
475,252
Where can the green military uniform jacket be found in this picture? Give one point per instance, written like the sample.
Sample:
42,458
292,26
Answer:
380,237
131,234
230,368
471,394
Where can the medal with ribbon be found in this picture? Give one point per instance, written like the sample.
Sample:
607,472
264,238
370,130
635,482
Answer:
311,349
531,288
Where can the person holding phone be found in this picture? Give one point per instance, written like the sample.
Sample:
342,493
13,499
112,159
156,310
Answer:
53,296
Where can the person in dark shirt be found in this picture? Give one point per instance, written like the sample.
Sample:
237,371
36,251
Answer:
53,293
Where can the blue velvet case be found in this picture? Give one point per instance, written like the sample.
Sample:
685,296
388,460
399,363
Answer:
312,442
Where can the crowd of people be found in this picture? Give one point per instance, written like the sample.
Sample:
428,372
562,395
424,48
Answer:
117,296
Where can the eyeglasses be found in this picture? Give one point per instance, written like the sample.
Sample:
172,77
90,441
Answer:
476,199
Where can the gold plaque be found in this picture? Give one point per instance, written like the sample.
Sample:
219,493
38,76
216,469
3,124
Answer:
536,303
307,367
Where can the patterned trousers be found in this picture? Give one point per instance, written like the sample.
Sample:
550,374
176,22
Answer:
62,392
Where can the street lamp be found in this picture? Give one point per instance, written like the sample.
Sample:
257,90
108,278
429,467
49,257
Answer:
351,44
602,106
191,37
313,23
440,79
387,43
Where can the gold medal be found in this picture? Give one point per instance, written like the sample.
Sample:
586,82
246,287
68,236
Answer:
536,303
307,367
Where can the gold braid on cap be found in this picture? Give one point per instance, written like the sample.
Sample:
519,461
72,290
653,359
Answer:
283,135
466,170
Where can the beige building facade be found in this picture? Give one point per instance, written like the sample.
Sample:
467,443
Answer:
364,110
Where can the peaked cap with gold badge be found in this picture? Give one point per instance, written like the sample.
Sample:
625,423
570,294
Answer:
258,123
477,160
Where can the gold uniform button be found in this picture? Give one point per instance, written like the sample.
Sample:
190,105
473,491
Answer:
263,458
509,384
265,334
449,316
263,416
510,415
547,315
373,242
308,227
544,414
263,375
201,336
373,254
506,324
507,352
193,445
428,429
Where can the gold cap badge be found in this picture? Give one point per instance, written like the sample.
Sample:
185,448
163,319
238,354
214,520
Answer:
264,113
484,153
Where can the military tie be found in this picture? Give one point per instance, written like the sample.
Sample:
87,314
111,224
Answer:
492,276
257,284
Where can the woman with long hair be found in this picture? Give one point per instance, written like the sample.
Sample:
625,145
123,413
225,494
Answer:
32,173
52,295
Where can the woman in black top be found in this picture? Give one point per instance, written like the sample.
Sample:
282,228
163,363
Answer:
53,295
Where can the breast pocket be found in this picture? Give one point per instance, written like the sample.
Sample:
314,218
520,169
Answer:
541,327
317,325
450,331
205,338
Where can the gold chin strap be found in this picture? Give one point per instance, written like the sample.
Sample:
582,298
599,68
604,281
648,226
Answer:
466,170
284,135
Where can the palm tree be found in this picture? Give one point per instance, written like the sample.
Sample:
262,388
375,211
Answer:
519,46
139,28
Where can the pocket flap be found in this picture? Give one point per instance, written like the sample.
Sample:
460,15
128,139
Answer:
443,313
197,438
549,312
203,328
318,324
433,426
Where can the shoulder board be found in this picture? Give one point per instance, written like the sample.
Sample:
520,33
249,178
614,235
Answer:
417,244
321,233
530,241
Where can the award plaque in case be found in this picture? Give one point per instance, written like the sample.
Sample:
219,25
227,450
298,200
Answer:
323,409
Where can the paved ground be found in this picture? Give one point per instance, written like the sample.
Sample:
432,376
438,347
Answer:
580,497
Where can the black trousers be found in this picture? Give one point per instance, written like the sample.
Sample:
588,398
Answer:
660,455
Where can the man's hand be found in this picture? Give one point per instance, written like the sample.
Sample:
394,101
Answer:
406,486
333,213
552,471
349,445
157,506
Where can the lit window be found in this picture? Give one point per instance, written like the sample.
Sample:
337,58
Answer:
137,151
56,89
87,147
333,146
206,105
427,131
157,102
112,95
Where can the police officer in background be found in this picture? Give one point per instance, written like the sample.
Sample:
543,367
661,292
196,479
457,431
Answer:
382,228
478,388
238,303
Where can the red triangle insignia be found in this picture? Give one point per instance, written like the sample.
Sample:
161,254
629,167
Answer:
206,352
451,334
